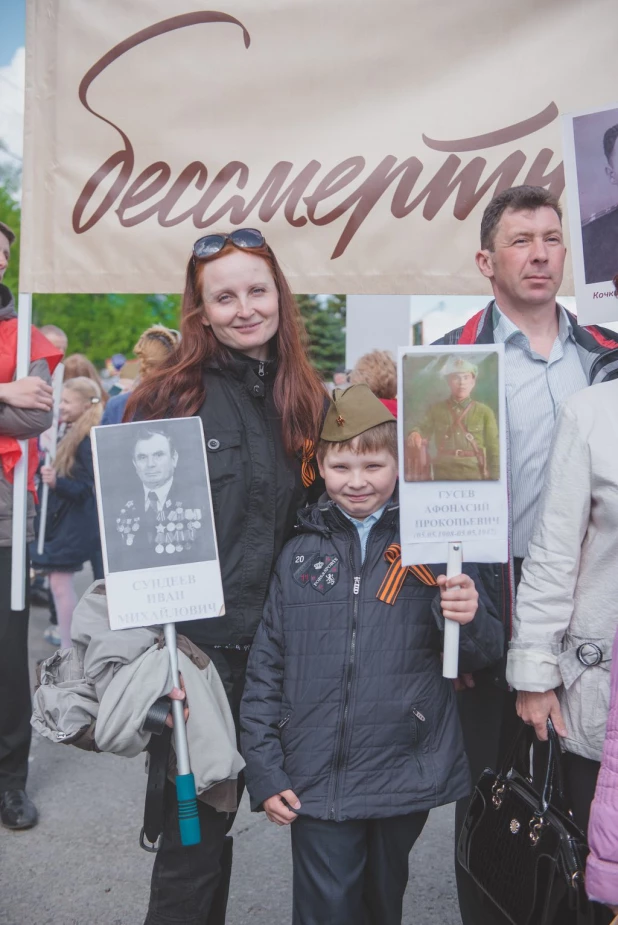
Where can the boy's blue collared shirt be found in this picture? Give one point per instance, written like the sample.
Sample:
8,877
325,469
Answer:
364,526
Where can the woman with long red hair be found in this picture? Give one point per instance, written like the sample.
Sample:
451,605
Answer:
241,366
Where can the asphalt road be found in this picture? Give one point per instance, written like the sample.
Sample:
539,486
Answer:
82,864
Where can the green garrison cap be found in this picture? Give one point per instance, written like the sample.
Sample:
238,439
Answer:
353,411
458,365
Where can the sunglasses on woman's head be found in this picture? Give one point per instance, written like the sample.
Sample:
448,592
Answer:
213,243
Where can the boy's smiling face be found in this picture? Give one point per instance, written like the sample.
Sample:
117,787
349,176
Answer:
360,483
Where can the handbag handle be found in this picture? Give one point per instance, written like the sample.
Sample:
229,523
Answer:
552,777
553,785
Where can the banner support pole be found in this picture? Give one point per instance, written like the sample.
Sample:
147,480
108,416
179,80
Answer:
19,578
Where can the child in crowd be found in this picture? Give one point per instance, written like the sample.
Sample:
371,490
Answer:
72,531
349,730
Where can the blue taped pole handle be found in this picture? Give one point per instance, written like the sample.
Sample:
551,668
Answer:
188,819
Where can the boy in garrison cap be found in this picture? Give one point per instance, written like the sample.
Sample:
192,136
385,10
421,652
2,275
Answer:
464,431
349,730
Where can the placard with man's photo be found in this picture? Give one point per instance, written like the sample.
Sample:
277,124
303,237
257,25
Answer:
157,526
591,175
452,453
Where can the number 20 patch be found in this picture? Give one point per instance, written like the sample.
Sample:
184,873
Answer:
321,571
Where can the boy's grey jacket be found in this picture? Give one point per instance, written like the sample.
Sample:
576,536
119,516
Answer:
99,692
344,701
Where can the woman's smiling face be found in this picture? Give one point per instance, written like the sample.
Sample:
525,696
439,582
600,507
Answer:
241,302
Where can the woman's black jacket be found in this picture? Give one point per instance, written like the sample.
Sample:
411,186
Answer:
256,489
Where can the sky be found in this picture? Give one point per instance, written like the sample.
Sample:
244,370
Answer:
12,38
13,31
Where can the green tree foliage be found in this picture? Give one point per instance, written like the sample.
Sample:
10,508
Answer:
324,319
100,325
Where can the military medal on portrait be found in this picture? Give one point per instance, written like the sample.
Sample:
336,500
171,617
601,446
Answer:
157,525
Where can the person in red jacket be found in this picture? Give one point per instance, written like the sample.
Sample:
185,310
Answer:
25,412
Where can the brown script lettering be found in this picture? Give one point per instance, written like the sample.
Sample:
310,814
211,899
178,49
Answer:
304,194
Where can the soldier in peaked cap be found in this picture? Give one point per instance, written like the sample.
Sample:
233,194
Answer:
464,432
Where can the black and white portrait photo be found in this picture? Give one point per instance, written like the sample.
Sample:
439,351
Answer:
154,494
596,155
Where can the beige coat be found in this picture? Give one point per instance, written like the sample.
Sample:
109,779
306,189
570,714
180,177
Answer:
568,592
98,693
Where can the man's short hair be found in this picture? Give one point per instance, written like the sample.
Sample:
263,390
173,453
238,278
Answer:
7,232
145,433
519,199
53,329
609,141
381,437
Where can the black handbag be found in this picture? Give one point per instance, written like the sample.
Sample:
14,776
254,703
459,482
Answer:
522,847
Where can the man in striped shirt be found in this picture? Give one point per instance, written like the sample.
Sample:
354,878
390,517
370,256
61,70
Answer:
548,357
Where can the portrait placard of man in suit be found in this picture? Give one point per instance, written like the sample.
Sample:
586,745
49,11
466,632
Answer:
161,507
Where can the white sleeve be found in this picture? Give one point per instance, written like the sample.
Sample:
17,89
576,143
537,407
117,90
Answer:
546,592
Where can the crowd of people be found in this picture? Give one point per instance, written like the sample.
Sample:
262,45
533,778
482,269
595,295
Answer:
329,651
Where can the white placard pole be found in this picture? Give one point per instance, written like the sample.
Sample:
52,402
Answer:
20,473
57,381
450,666
188,819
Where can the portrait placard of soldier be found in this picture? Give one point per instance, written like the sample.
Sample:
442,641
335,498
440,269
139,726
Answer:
452,453
154,494
451,417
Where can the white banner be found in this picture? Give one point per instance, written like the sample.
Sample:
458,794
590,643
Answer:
364,137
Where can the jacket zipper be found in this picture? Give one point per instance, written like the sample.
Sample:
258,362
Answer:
352,654
261,369
348,686
283,722
421,719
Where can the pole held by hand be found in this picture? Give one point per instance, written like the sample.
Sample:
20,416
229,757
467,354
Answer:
57,382
188,819
450,665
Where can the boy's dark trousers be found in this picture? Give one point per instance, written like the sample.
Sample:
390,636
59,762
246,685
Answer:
191,885
354,872
15,703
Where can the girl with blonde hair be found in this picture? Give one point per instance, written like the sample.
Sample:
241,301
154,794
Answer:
78,366
72,532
